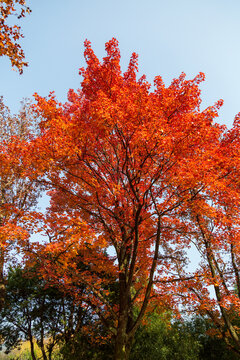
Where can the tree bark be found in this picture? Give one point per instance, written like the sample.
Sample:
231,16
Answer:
2,281
122,346
123,343
32,345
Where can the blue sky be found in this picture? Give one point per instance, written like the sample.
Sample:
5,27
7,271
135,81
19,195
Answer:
170,36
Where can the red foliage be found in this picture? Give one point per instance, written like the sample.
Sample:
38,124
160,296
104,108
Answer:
134,175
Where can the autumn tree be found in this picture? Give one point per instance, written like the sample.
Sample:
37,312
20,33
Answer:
120,160
11,34
17,193
215,230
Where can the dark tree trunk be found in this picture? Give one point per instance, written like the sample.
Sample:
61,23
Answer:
122,345
2,281
32,346
124,337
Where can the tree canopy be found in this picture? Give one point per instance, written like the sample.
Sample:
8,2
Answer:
129,169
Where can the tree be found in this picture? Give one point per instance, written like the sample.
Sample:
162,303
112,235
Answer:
205,333
164,338
43,316
10,35
120,161
17,193
214,217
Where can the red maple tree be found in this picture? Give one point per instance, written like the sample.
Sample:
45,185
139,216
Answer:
123,164
215,232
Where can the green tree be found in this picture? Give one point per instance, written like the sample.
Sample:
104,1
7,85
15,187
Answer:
211,347
162,340
33,312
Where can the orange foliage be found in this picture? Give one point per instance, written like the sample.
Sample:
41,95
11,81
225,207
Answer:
10,35
17,193
133,174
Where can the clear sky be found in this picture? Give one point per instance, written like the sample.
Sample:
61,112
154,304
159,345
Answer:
170,36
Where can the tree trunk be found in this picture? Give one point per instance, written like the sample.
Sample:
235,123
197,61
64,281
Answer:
41,342
32,346
123,341
122,347
2,281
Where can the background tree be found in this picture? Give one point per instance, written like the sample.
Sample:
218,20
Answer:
215,234
43,316
206,334
11,34
17,193
162,337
